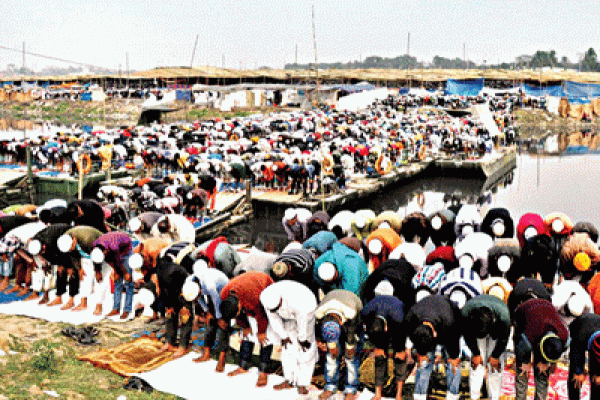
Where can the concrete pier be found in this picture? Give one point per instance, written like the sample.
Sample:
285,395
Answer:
491,167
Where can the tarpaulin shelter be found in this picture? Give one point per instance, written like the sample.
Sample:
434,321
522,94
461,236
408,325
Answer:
468,87
540,91
183,95
581,90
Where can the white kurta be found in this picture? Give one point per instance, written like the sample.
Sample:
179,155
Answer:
295,320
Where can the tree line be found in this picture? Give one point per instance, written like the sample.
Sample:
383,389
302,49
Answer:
588,61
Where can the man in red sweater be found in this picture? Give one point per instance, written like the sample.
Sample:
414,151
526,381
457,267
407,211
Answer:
539,332
240,299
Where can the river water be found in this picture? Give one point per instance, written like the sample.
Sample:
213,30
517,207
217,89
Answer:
568,184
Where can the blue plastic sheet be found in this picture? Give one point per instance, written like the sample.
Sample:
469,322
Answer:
581,90
540,91
471,87
183,95
87,96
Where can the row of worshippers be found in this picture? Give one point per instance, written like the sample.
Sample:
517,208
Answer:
336,271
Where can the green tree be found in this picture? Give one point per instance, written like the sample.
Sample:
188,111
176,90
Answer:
590,61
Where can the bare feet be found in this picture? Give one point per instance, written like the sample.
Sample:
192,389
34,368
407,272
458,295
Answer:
182,351
4,284
45,298
81,307
302,390
262,380
350,396
13,289
32,296
167,347
221,363
325,395
69,304
21,291
125,315
98,310
283,385
204,357
238,371
113,313
57,301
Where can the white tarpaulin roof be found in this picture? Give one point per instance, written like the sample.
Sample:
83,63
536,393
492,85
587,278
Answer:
358,101
484,114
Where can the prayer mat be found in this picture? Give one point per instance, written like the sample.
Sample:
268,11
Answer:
9,298
557,387
140,355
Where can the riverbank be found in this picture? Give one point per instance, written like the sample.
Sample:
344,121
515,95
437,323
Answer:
112,113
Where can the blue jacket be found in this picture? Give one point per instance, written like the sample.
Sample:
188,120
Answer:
352,269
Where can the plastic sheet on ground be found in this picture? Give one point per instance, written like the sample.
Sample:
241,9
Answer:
55,314
557,388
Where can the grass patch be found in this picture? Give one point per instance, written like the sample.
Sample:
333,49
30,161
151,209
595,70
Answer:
17,107
52,365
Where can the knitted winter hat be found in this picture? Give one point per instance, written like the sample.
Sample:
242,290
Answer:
529,220
331,331
498,224
558,223
429,276
467,220
498,287
442,228
587,227
466,279
502,256
412,252
445,255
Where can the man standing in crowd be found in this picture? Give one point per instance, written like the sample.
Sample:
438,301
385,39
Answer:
290,308
488,321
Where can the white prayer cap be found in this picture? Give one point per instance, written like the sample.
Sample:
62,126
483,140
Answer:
135,224
467,229
145,297
421,294
327,271
557,225
290,213
465,261
34,247
576,305
270,299
504,263
360,222
530,232
136,261
436,222
459,297
384,288
199,267
498,227
97,256
190,289
375,246
64,243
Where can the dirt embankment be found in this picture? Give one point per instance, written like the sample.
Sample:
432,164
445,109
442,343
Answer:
119,112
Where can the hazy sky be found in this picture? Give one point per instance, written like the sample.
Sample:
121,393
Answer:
256,33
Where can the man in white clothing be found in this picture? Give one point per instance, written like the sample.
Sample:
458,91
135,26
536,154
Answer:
290,308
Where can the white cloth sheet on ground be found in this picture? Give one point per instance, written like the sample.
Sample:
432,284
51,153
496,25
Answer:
190,385
55,314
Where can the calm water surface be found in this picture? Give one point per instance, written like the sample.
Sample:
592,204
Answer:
542,185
